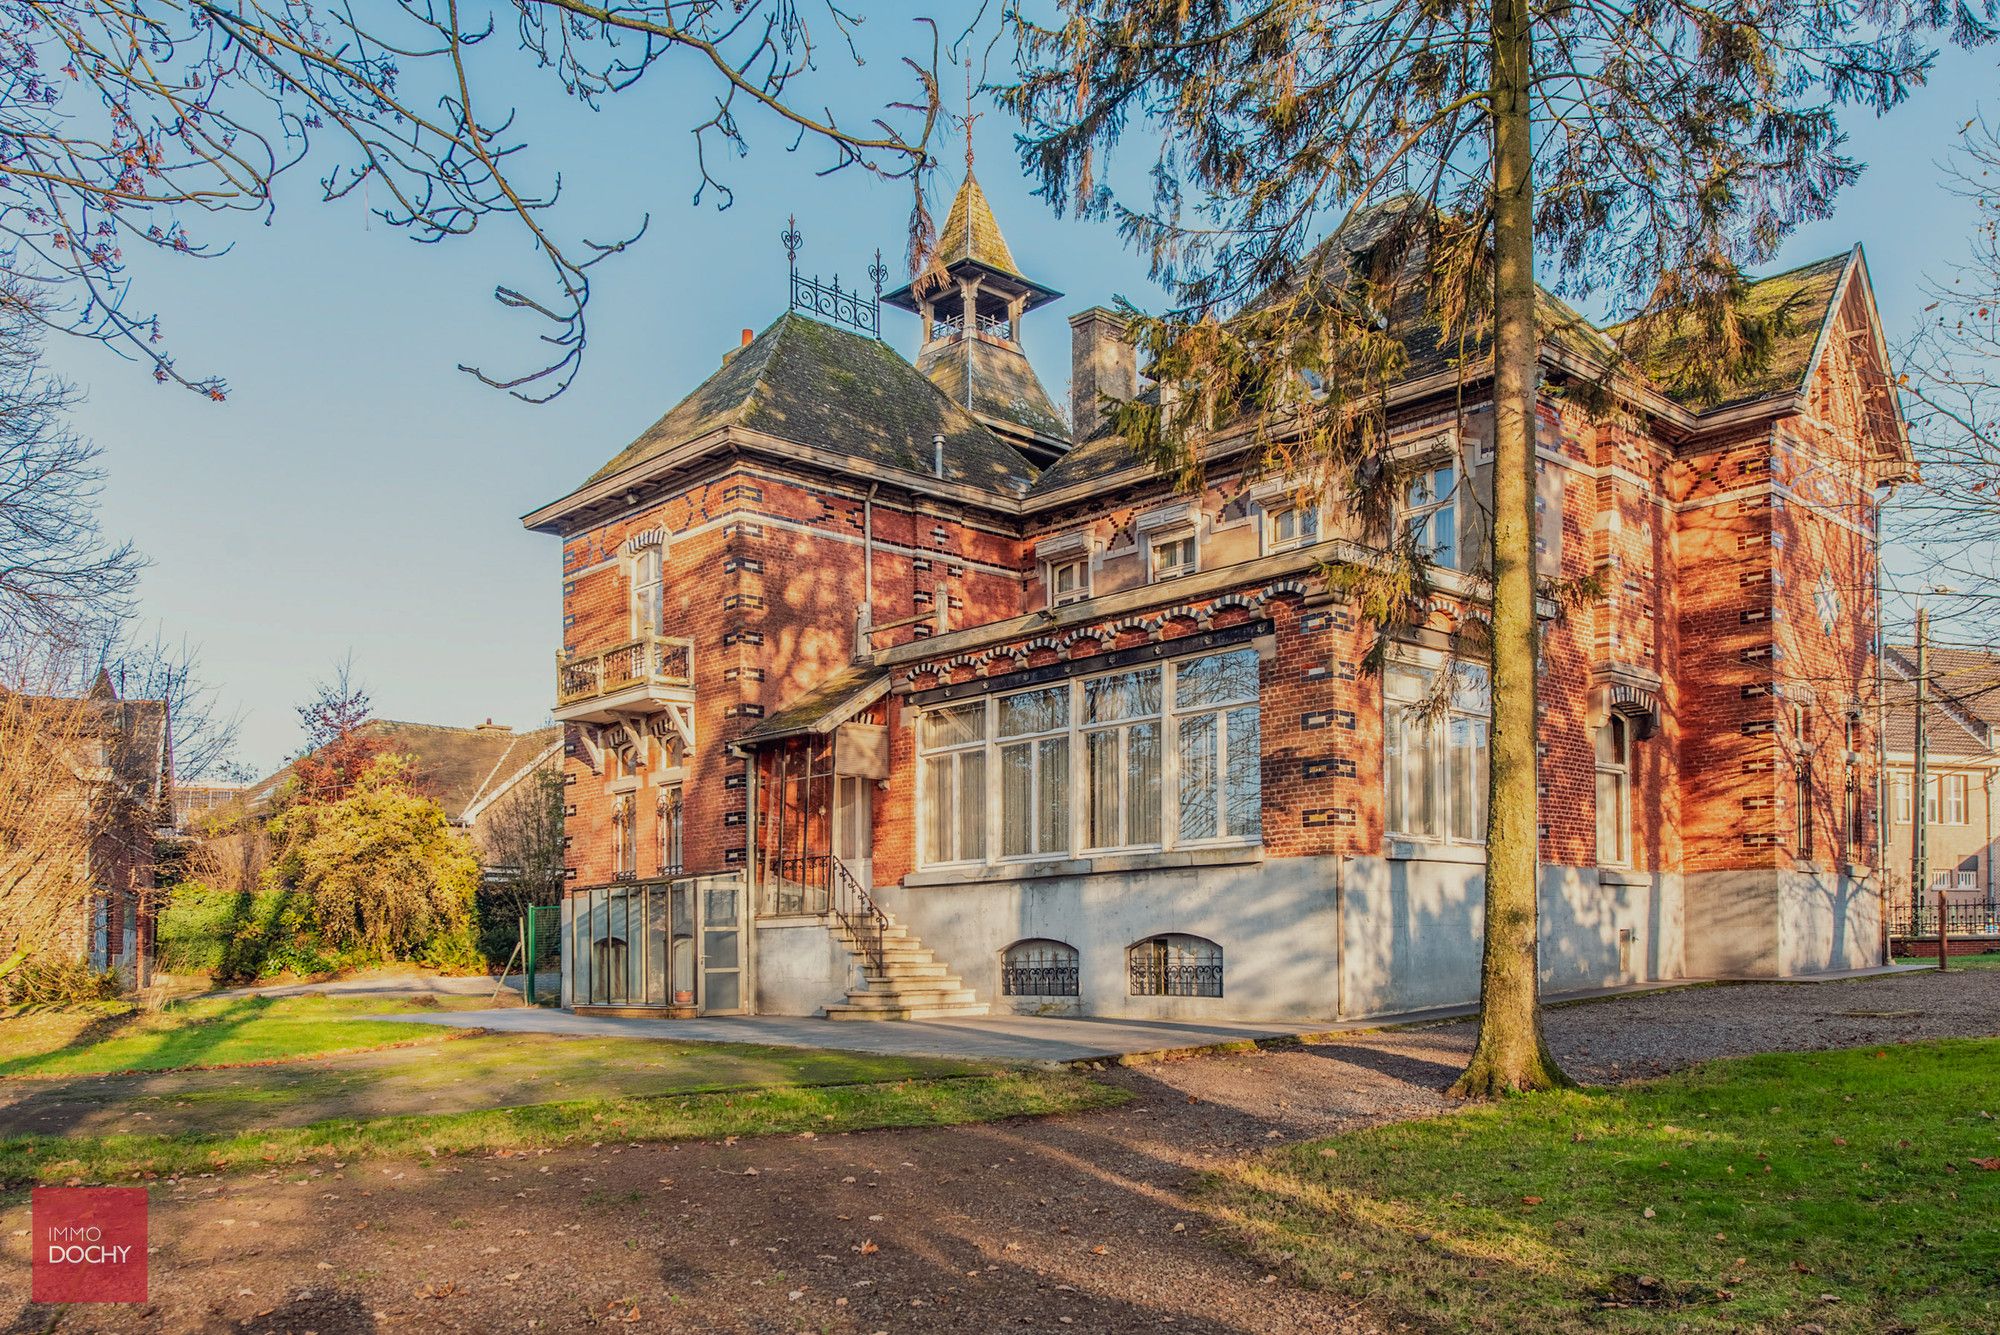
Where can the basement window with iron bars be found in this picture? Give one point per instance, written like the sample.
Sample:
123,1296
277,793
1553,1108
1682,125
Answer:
1039,968
1175,965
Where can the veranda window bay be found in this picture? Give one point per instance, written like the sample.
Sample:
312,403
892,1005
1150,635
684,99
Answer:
1159,756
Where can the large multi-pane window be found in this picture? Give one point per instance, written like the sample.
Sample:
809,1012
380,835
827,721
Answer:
1162,755
1216,737
1034,772
1614,792
1435,752
953,780
1121,747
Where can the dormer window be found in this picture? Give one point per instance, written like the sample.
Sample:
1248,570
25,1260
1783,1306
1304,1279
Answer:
1168,538
1171,556
1065,567
1288,527
1069,581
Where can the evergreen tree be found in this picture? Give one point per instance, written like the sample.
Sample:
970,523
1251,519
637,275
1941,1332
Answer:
1645,154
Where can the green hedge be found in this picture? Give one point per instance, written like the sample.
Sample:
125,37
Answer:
237,936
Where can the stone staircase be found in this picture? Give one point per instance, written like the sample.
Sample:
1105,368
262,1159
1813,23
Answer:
911,984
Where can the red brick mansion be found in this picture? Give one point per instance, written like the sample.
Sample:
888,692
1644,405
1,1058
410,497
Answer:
901,689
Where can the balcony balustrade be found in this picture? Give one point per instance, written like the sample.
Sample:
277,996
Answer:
636,677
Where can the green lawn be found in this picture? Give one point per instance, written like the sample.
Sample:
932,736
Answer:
785,1109
222,1083
210,1031
1850,1191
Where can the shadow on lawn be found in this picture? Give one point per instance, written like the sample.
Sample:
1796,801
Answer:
190,1042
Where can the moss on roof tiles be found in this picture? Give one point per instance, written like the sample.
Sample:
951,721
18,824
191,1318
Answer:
971,232
992,381
1799,300
817,385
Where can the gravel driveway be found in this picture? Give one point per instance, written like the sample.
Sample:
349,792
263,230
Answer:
1054,1225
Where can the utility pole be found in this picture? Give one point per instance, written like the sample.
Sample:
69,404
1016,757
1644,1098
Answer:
1920,852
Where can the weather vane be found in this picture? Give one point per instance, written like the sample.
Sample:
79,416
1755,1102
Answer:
969,115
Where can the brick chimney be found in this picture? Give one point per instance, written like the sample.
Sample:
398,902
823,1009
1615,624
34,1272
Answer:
1102,364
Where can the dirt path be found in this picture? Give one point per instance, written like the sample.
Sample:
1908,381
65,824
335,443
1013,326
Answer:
1055,1225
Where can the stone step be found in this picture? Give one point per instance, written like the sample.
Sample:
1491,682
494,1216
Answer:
868,998
851,1013
909,969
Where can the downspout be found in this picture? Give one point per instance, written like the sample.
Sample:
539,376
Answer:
865,641
1882,747
751,886
1986,853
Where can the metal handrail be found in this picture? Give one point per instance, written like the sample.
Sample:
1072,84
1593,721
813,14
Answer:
867,925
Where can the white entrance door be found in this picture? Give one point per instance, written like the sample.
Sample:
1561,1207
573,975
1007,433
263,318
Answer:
852,807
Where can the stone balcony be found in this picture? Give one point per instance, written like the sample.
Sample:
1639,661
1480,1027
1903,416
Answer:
651,675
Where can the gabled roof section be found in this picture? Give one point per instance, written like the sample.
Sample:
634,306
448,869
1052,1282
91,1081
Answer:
458,767
1962,711
1801,301
820,386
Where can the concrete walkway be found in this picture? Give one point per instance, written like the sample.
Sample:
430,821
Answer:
1030,1038
1033,1038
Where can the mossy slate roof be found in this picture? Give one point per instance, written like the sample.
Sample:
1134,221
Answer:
1800,299
971,232
805,381
992,381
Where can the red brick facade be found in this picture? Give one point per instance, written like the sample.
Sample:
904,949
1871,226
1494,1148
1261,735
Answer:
1713,582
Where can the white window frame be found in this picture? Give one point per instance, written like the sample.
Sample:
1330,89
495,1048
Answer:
1051,574
1060,838
1275,511
1952,799
1401,723
1157,573
1076,842
1170,525
1899,797
953,755
648,594
1121,730
1619,770
1411,513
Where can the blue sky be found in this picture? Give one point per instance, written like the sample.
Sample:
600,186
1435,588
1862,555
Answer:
356,493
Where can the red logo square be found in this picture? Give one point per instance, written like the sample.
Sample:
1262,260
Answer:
90,1245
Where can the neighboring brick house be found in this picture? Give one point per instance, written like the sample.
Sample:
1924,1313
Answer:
468,771
890,692
1962,759
118,759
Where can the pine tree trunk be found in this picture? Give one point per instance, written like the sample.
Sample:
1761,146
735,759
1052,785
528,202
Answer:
1511,1054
